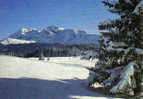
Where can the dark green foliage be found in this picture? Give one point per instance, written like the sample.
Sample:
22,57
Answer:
121,44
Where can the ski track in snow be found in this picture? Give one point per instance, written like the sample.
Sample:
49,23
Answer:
58,78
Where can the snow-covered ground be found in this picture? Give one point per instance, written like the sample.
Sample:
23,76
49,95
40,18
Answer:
15,41
58,78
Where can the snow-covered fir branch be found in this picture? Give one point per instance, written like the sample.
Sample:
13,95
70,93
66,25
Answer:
126,79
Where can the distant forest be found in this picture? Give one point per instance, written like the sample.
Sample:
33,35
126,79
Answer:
48,50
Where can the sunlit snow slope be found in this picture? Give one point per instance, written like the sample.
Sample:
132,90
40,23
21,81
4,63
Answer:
58,78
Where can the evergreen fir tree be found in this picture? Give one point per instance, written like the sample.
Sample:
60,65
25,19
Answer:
120,66
41,54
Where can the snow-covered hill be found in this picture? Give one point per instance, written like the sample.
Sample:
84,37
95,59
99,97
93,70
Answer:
51,34
15,41
58,78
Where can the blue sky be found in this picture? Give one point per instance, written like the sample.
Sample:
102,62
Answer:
73,14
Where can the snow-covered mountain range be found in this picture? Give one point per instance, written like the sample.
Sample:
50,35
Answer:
51,35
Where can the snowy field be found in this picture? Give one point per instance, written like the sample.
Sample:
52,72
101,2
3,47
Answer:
58,78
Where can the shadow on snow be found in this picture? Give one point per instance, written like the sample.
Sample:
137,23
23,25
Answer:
30,88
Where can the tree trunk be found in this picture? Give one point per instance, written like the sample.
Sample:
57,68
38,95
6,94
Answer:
139,89
141,84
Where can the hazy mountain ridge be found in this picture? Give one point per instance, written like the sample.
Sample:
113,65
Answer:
51,35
